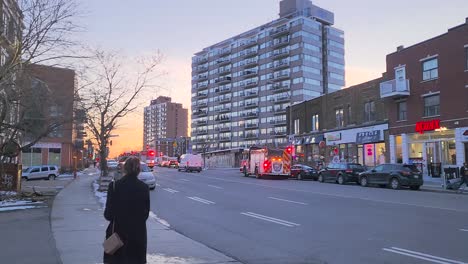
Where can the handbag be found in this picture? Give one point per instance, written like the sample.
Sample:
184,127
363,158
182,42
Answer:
113,243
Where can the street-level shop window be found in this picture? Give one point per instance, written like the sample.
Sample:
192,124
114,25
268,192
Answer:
339,117
432,105
369,111
315,122
430,69
402,110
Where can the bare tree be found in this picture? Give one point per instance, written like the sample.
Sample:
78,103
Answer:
34,31
112,93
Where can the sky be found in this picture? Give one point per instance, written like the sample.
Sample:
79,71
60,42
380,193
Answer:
180,28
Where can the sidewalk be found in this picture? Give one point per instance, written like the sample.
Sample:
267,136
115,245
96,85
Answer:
78,226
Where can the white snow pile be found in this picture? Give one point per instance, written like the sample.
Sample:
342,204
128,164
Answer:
102,196
8,193
11,205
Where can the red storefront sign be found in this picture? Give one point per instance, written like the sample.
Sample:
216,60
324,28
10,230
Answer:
429,125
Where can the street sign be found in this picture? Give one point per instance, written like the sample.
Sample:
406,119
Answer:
291,138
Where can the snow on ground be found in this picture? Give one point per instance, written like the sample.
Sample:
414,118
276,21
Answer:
102,196
11,208
17,202
11,205
5,193
160,220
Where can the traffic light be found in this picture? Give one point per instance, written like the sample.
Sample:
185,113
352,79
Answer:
151,153
289,150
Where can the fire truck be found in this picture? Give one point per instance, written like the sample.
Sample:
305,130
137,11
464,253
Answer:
264,161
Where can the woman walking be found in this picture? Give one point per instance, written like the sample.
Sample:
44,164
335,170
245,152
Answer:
127,208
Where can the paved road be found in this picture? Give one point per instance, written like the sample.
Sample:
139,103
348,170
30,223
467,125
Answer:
289,221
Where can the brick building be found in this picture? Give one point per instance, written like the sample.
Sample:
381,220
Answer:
427,98
350,123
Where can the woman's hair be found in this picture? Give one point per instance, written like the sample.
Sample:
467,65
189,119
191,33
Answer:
132,166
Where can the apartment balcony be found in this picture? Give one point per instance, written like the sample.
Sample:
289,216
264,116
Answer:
250,94
224,139
201,132
279,111
278,122
202,95
225,52
223,80
278,133
223,110
223,119
281,65
250,105
279,32
390,89
281,99
200,113
280,53
202,86
223,61
202,69
281,43
223,129
248,73
201,122
251,136
249,84
250,43
251,126
282,76
223,90
202,104
224,71
278,87
225,100
250,53
202,78
250,63
249,115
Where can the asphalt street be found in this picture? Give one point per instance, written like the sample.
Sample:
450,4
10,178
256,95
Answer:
289,221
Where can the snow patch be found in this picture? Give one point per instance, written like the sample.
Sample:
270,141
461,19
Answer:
17,202
156,218
8,193
102,196
11,208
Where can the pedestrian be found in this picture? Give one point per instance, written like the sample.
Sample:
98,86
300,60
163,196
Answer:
127,207
94,163
464,177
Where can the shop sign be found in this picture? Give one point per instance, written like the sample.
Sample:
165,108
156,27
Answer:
333,136
368,137
313,140
429,125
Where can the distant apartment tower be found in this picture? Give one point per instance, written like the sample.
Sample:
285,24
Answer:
242,86
164,123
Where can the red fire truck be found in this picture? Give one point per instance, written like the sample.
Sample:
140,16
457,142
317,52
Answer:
264,161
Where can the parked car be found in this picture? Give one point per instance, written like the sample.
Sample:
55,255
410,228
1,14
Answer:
301,172
146,175
191,162
112,164
341,173
173,164
49,172
165,163
121,164
393,175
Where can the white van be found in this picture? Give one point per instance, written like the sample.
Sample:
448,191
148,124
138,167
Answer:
191,162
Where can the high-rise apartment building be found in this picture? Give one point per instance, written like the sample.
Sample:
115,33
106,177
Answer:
164,123
242,86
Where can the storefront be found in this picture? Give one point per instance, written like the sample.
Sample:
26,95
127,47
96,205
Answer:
435,149
364,145
308,149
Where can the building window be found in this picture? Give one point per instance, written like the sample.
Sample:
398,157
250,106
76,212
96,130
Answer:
348,113
339,117
402,110
315,122
432,105
430,69
466,58
369,111
296,127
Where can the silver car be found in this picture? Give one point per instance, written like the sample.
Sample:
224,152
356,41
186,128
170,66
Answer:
146,175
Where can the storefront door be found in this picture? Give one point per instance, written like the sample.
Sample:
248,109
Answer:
433,152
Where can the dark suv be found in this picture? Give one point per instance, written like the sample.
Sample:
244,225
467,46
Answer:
341,173
393,175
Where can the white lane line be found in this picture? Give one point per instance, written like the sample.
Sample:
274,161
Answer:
201,200
271,219
214,186
170,190
157,184
289,201
464,230
423,256
185,180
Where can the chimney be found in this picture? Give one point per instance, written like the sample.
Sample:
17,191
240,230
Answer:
400,48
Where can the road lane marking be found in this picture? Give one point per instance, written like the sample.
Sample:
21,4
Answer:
170,190
157,184
289,201
423,256
271,219
214,186
198,199
464,230
185,180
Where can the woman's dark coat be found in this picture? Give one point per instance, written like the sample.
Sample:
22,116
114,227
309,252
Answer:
129,205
